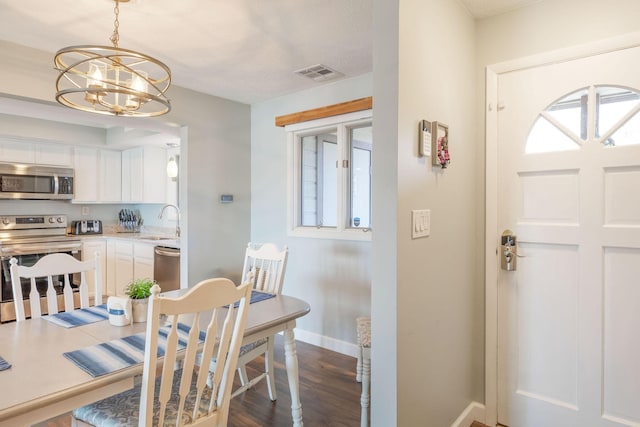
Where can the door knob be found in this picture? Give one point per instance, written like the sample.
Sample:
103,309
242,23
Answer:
509,251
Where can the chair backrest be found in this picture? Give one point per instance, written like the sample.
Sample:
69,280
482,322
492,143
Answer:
205,314
264,266
51,267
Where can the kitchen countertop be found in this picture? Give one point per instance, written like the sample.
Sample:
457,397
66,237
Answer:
156,239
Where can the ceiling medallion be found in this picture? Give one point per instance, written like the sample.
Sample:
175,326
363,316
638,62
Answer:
111,80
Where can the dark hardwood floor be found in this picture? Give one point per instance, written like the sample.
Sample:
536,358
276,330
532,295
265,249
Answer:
329,393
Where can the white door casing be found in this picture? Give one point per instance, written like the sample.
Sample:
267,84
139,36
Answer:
564,322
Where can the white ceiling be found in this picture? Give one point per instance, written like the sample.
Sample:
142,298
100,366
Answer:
244,50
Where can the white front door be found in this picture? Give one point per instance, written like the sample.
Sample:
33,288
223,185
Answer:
569,188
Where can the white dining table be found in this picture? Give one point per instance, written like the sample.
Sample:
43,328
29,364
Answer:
42,383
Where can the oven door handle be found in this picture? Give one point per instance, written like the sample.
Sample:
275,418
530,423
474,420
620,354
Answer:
40,249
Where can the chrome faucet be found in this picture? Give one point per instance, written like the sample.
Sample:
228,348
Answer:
177,211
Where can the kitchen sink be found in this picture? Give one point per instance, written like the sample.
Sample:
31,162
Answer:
156,238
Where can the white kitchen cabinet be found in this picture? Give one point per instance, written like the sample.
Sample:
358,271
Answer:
112,289
17,151
98,175
143,261
43,153
131,260
110,175
132,176
89,249
144,175
123,265
54,154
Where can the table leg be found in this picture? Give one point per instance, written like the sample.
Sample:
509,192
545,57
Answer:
291,361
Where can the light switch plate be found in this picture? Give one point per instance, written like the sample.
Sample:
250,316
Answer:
420,223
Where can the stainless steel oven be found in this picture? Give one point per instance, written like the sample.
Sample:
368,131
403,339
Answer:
28,238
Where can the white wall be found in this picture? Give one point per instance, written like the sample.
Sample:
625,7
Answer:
333,276
215,159
424,56
551,25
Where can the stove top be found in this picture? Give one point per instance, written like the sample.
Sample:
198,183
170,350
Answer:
27,233
20,223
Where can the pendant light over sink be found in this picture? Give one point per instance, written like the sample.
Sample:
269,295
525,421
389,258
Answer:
111,80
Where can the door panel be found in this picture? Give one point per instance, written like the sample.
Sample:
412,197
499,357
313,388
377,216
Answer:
546,318
621,321
568,186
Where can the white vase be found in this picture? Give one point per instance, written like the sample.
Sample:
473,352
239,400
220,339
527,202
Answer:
140,308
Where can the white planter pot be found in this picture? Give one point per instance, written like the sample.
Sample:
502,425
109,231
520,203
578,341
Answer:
140,308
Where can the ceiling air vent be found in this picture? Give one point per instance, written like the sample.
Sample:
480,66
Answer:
319,73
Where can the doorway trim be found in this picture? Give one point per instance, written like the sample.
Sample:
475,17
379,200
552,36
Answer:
492,106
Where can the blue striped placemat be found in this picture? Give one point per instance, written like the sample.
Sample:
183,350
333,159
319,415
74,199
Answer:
114,355
4,364
257,296
80,317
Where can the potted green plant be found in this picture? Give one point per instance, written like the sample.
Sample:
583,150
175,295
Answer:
139,290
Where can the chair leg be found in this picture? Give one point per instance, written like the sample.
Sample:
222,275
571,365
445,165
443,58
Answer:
242,373
366,382
268,367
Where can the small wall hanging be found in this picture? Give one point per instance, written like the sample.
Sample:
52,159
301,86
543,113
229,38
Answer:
440,144
424,133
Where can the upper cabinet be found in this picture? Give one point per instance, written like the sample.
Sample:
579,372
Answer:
98,175
101,175
20,151
144,176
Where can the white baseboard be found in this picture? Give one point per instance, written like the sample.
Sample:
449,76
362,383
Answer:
473,412
332,344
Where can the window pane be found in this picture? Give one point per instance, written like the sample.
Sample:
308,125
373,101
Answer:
329,181
361,143
309,185
545,137
318,180
613,103
628,134
571,112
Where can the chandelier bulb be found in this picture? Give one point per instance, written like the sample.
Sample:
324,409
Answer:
172,167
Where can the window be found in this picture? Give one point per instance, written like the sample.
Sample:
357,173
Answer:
330,177
612,119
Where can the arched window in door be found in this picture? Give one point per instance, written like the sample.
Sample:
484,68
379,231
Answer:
608,115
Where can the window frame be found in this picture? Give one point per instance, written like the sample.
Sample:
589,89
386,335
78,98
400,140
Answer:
342,124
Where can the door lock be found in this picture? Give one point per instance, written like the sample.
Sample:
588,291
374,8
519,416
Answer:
508,251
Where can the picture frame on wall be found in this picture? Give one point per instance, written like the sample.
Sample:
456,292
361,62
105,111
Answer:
440,144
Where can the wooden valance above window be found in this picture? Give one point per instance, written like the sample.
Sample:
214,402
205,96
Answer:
328,111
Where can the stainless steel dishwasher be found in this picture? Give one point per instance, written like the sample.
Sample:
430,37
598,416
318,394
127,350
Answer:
166,268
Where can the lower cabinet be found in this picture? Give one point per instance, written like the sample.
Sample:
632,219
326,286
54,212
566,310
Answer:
89,250
143,261
131,260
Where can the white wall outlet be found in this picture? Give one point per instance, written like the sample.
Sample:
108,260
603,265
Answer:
420,223
85,210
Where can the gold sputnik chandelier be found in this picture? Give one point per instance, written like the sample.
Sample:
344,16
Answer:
111,80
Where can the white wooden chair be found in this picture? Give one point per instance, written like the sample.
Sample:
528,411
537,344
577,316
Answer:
51,266
264,265
182,396
363,372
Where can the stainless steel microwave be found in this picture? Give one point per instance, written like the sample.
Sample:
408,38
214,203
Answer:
18,181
